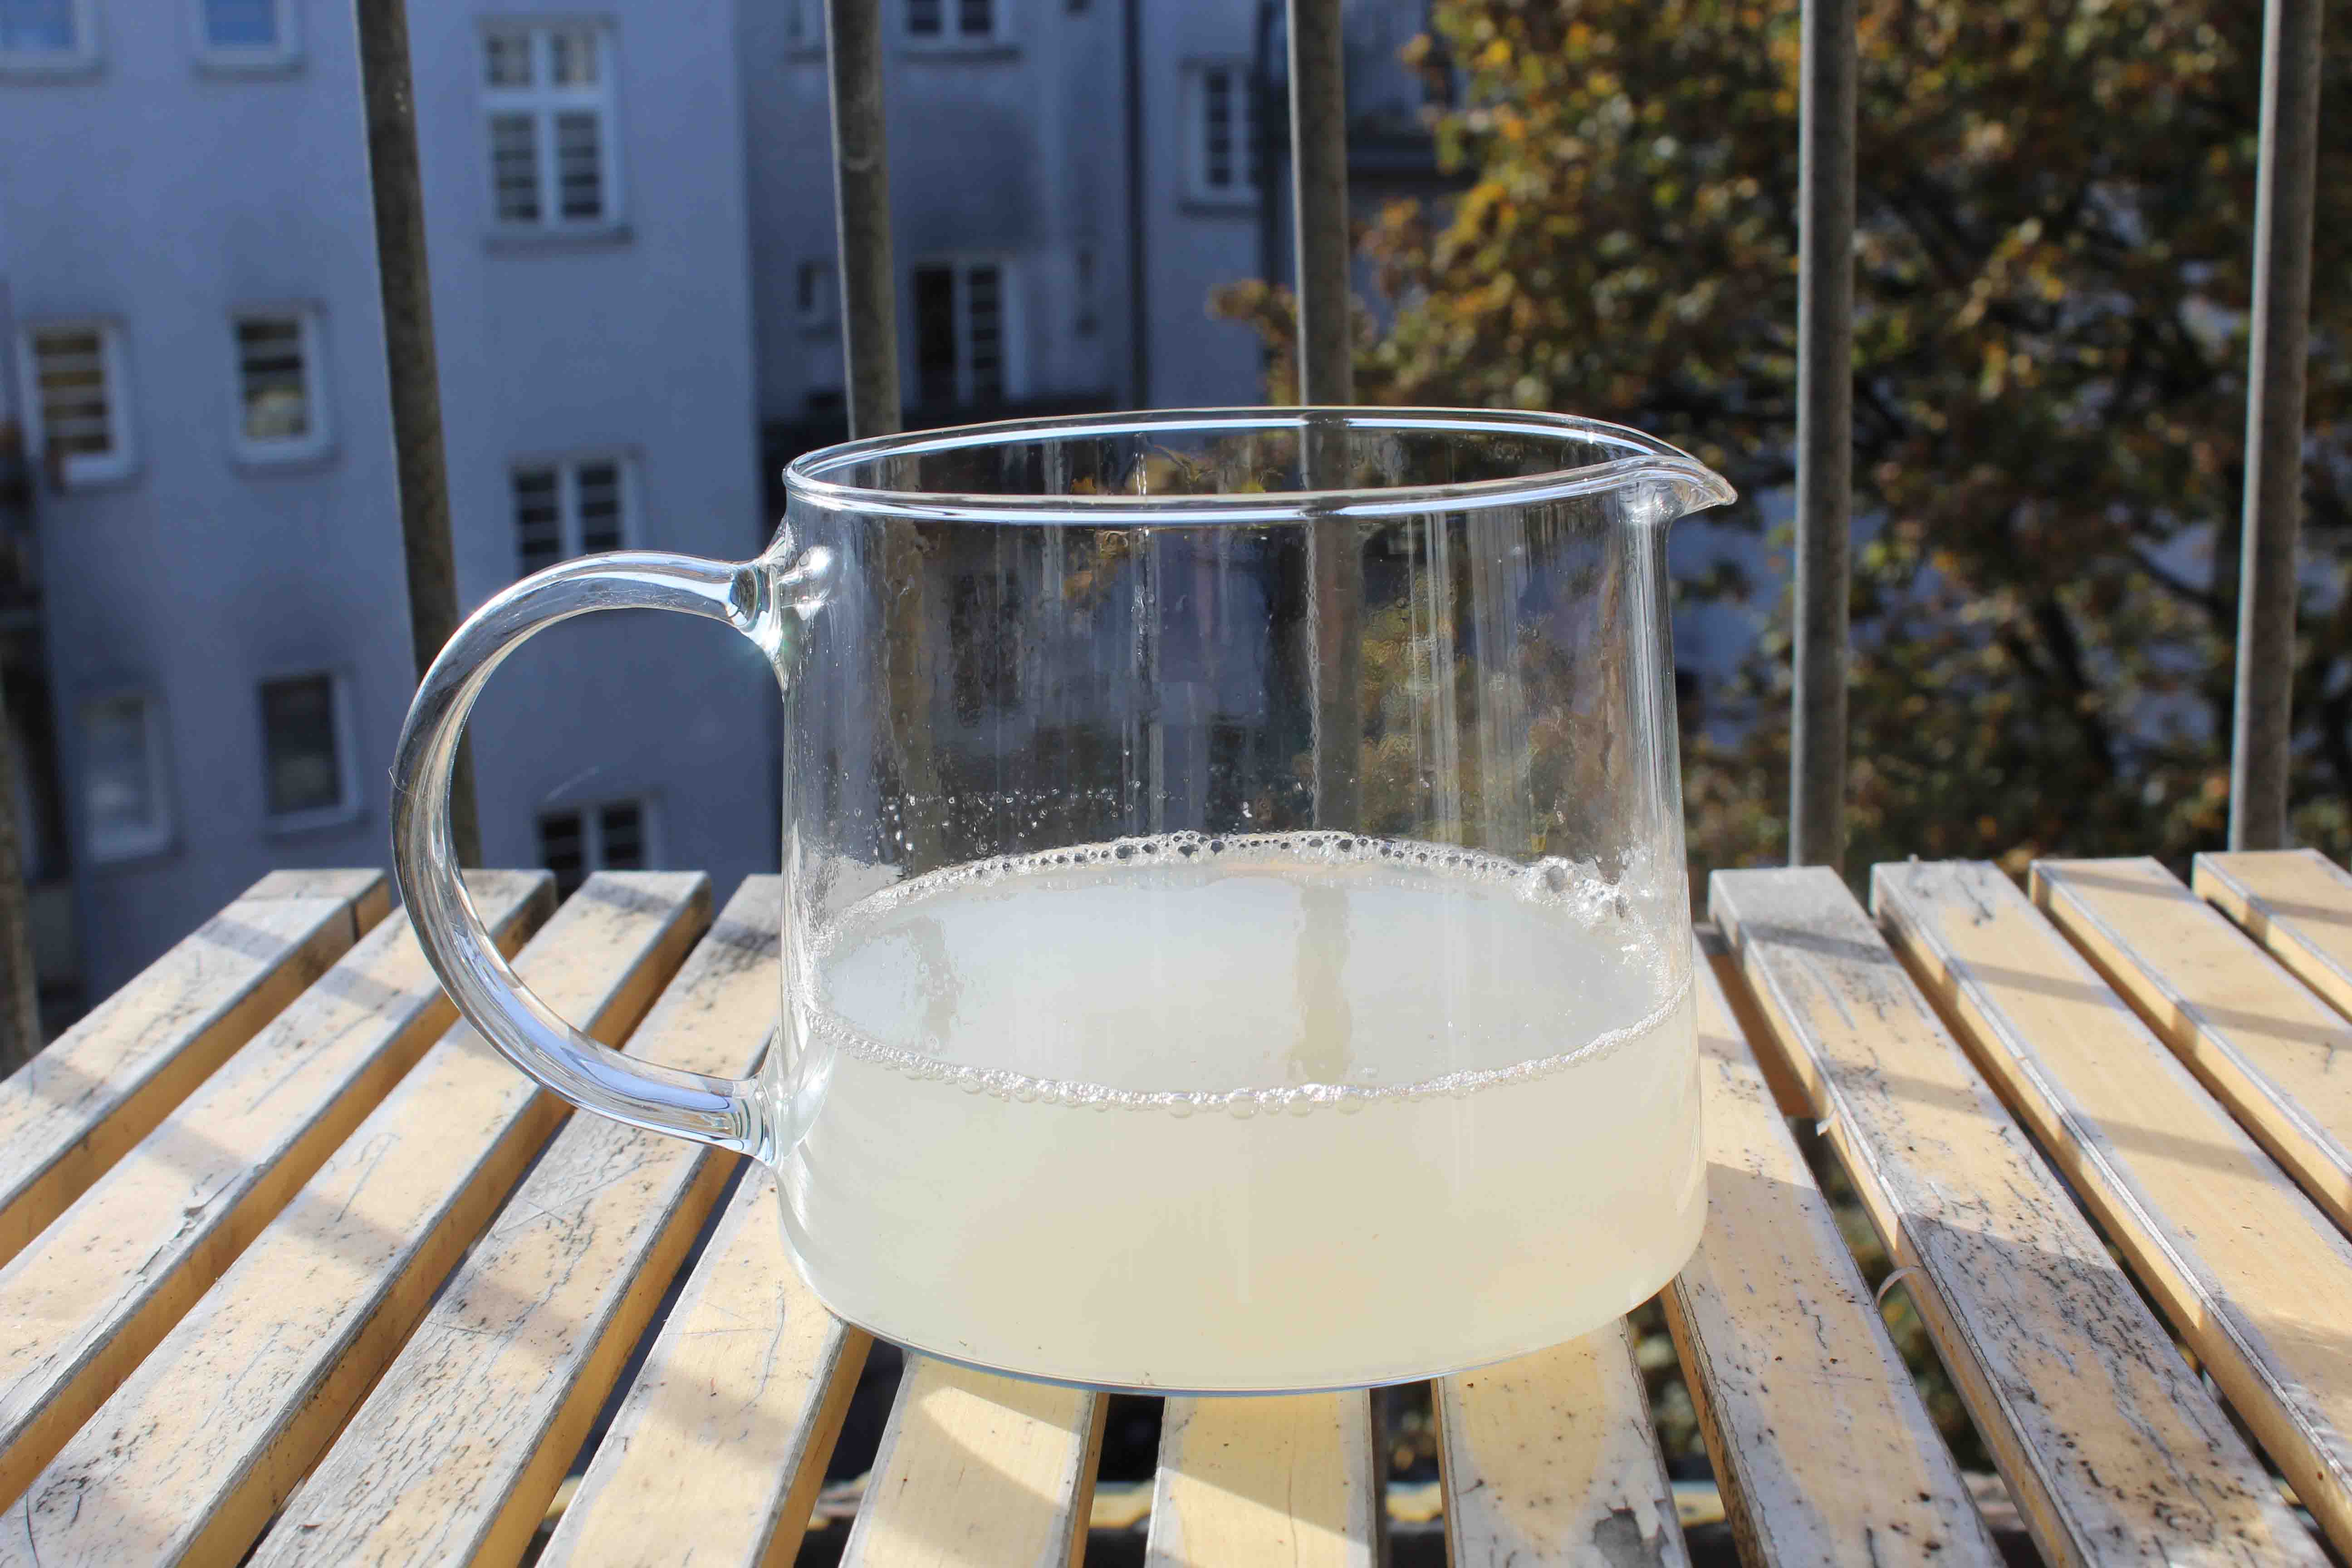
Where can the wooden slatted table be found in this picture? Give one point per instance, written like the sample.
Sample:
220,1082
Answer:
293,1269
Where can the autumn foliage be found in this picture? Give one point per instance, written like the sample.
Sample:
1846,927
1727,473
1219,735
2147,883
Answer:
2052,267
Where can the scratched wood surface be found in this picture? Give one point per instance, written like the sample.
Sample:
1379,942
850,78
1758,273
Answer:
719,1448
348,1352
92,1294
1822,1450
2252,1276
1290,1480
2114,1452
2297,902
524,1344
977,1469
189,1460
1551,1458
2270,1049
98,1088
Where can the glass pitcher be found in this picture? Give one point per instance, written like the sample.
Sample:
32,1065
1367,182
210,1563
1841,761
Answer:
1235,928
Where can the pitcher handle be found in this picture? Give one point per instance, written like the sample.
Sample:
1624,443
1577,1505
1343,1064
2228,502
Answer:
757,599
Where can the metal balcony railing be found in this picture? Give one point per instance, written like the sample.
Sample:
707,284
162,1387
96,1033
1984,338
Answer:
853,34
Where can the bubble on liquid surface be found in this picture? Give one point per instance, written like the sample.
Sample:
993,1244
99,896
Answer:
1576,889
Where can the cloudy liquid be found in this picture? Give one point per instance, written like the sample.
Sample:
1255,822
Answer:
1287,1112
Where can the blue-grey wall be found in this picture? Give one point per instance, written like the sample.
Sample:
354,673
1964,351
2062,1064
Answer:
161,192
157,191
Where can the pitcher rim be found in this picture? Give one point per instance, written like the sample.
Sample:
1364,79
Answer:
1696,486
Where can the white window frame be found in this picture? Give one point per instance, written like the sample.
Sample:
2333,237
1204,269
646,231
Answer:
156,836
542,101
950,38
82,57
320,436
591,829
1011,380
238,57
347,805
80,469
1242,191
567,466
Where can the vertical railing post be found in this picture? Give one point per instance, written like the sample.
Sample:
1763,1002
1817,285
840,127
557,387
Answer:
1138,253
869,350
1817,741
2261,725
1327,375
419,468
1318,173
861,205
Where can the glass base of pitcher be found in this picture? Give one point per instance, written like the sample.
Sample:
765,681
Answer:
1472,1360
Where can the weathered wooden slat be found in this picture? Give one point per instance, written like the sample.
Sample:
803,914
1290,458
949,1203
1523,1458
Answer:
2297,902
1551,1458
975,1467
100,1087
94,1291
721,1444
2266,1046
1290,1480
2252,1276
522,1347
1822,1450
2112,1449
206,1439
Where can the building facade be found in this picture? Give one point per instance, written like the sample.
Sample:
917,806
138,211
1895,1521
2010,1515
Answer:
197,343
630,219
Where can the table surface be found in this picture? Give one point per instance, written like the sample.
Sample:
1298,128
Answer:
294,1269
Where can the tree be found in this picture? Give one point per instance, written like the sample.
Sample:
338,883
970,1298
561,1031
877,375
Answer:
2056,207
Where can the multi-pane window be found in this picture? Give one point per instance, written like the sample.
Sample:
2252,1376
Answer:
959,332
126,802
548,95
1225,157
277,382
254,31
38,33
580,840
952,21
75,369
573,507
302,747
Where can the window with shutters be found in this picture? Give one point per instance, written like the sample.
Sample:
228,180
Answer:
1222,131
74,396
547,99
306,750
572,506
616,836
279,412
960,333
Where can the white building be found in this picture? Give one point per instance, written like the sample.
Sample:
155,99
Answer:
630,216
186,238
